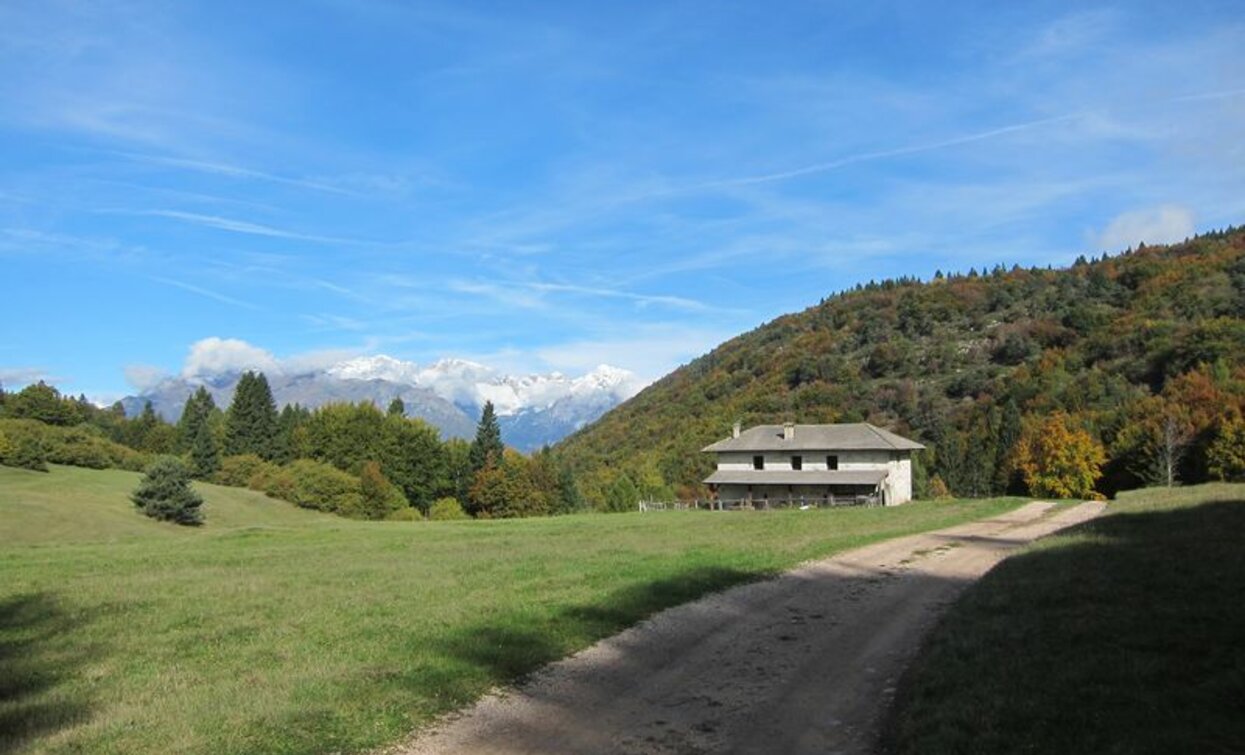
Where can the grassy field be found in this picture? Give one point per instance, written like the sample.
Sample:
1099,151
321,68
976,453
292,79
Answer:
1125,635
275,629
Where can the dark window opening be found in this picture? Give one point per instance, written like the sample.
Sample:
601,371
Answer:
758,462
797,462
832,462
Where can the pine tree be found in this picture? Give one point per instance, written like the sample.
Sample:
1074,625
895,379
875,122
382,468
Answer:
251,422
397,407
141,428
487,448
204,453
198,410
164,493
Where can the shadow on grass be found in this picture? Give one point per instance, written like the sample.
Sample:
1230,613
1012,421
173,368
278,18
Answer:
1126,634
507,649
33,699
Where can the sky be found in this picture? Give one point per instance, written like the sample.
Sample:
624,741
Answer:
552,186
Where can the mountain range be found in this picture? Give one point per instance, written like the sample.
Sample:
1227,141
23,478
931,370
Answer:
532,410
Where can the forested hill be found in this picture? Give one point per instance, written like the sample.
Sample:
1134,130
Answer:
1145,351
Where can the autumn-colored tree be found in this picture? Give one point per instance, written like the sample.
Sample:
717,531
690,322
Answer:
1226,456
507,490
378,497
1058,459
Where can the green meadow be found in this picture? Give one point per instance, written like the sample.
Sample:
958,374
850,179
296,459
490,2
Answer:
276,629
1123,635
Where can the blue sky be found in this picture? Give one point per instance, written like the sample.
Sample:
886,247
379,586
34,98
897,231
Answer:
554,185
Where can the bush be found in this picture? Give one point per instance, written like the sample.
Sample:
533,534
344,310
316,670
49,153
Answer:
446,509
408,514
315,485
164,493
22,445
239,471
36,444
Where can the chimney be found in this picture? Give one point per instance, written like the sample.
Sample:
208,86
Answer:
788,431
735,431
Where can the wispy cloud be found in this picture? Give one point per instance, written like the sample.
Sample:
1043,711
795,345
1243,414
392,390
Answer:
232,171
677,302
245,227
324,321
205,292
884,154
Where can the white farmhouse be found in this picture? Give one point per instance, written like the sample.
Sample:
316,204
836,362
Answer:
813,464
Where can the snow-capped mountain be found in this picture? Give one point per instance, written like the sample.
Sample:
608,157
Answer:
532,410
470,384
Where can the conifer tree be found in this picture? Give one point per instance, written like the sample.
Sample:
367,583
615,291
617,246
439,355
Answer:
397,407
251,422
164,493
204,453
142,426
487,448
198,410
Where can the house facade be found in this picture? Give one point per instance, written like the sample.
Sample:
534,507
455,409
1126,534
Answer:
813,464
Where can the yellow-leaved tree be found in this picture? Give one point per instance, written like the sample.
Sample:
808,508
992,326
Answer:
1058,459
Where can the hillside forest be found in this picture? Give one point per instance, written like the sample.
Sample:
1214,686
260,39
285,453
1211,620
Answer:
1129,367
1112,374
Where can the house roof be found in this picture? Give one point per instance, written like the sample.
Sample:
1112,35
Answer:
802,477
860,436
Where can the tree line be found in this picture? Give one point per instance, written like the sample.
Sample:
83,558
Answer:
351,459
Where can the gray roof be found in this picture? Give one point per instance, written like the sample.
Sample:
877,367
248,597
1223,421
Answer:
860,436
802,477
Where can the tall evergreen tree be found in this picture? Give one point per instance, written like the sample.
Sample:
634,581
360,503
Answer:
251,422
291,441
487,448
141,427
204,453
198,409
397,407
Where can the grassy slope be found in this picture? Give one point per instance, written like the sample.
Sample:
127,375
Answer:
1122,636
278,630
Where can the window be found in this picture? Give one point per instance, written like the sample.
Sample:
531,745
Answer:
797,462
758,462
832,462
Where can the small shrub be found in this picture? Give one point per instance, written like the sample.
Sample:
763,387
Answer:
938,489
237,471
446,509
164,493
277,483
408,514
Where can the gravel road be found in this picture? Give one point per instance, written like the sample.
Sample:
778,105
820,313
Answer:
803,663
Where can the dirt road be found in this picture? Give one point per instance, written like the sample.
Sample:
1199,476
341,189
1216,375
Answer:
803,663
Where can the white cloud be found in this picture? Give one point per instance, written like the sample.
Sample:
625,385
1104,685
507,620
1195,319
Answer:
144,376
17,377
1154,225
649,351
214,356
